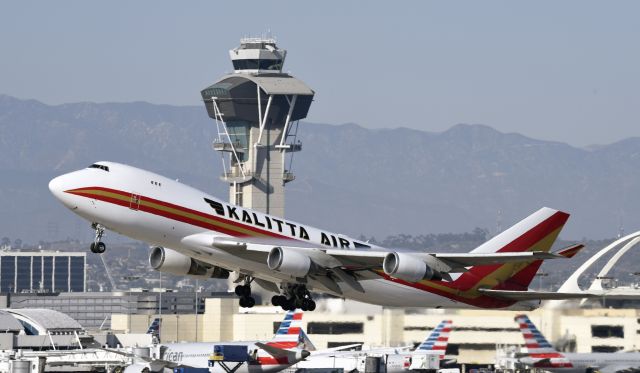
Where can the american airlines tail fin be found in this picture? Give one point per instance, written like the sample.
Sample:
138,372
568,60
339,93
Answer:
154,328
289,333
540,351
438,339
537,233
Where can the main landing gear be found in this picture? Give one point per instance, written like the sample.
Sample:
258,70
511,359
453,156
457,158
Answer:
244,292
295,296
98,247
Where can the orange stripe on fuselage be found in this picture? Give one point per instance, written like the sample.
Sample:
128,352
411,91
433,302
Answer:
176,212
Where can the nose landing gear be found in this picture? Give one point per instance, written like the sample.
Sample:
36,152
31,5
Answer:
97,246
295,296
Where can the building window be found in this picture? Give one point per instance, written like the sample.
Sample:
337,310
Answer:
7,273
605,348
24,274
47,271
338,344
61,276
77,273
607,331
36,273
335,327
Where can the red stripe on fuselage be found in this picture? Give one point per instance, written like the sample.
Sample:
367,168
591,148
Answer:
269,360
84,192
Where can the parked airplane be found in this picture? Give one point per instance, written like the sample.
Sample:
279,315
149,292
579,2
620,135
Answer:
199,235
284,350
429,353
542,355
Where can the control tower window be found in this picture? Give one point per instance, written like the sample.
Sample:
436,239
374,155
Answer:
239,135
275,65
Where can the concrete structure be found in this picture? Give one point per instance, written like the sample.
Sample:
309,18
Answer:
256,109
42,271
39,329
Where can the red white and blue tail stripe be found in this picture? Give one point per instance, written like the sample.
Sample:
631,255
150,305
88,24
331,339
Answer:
289,334
542,353
438,339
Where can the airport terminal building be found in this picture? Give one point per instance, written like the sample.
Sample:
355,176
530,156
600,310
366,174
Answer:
42,272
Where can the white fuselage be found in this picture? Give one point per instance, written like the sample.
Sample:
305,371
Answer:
164,212
197,355
581,362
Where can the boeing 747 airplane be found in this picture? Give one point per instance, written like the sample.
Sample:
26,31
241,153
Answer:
196,234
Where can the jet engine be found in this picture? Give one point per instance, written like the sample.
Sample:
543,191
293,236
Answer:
170,261
409,268
289,261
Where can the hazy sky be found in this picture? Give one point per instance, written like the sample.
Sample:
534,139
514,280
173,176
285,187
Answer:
559,70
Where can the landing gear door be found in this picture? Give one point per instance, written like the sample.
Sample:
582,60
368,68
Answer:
134,202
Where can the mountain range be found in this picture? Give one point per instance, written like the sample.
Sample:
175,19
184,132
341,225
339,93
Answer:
349,179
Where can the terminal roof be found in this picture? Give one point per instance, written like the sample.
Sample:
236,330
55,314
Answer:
8,323
276,84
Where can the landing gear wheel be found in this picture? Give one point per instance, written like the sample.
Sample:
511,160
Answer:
243,290
247,302
278,300
98,248
298,296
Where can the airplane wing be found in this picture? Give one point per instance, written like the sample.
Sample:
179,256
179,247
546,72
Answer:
281,353
537,295
363,259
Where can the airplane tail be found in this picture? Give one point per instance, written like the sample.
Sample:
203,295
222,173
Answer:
154,328
537,232
540,351
289,333
438,339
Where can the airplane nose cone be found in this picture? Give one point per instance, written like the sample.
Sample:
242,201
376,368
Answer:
57,186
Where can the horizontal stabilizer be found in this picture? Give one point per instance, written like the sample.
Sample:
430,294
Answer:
537,295
458,260
570,251
274,351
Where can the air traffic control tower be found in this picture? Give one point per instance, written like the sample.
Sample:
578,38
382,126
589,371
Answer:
257,109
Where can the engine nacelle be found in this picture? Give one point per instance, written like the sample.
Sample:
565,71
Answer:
408,267
289,261
170,261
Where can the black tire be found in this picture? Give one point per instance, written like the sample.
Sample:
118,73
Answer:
101,247
238,290
93,248
246,291
276,300
250,302
311,306
243,302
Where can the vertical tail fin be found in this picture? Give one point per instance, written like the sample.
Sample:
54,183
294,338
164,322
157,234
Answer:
540,350
537,232
154,328
438,339
289,333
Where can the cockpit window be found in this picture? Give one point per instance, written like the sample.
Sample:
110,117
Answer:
95,165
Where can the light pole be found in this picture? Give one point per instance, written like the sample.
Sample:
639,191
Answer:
129,279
